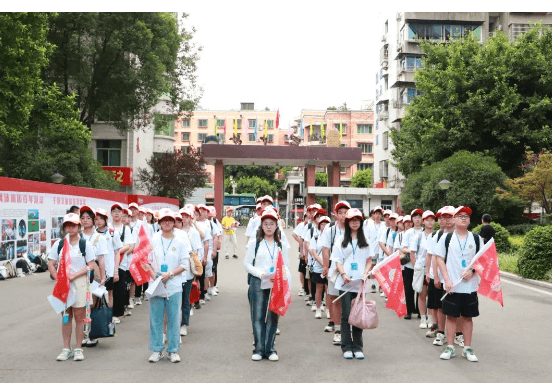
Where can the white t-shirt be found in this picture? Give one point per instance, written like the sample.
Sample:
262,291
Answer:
99,245
352,258
173,253
419,244
316,244
196,247
113,243
128,240
252,226
390,242
407,236
78,262
382,237
336,232
460,254
371,230
266,258
205,226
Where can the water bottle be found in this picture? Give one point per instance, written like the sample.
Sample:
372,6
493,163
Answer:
111,328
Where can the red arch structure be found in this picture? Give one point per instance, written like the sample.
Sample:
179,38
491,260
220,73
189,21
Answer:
308,157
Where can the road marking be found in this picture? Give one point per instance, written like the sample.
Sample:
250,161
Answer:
527,287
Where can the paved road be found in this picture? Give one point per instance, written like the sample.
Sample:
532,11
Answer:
512,343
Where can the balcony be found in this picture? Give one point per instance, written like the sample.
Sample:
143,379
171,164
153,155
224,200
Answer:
383,115
384,57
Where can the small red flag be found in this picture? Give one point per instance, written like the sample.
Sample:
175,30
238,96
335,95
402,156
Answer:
281,294
278,118
138,266
485,264
389,276
61,288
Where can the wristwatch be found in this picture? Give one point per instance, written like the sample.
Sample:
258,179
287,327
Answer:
171,274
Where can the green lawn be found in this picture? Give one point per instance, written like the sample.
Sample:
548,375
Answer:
508,262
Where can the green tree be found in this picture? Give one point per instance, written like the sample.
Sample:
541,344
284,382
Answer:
493,98
256,185
266,172
173,174
321,179
362,179
474,178
119,63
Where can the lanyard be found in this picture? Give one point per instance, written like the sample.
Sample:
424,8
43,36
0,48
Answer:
273,249
459,244
163,247
354,248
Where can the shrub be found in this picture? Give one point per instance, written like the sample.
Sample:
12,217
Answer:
535,258
501,237
516,241
521,229
548,276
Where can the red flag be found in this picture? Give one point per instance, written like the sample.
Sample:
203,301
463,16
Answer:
61,288
278,118
138,265
389,276
281,294
485,264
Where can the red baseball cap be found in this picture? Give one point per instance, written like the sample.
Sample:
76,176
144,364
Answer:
427,214
341,204
417,211
351,213
460,209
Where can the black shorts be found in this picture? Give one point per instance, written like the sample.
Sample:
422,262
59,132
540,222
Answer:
109,284
457,304
302,266
317,278
434,296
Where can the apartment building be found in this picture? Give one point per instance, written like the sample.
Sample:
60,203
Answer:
400,56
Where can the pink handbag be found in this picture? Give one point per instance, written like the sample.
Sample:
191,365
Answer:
363,313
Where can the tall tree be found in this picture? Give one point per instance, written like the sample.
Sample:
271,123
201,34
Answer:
173,174
120,63
493,97
362,179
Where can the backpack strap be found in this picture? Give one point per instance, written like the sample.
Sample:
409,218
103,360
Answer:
82,246
123,234
447,243
439,234
256,248
476,239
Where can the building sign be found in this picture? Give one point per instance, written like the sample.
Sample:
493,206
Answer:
298,200
122,175
333,138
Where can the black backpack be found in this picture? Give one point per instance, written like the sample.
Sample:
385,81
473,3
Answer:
449,237
82,246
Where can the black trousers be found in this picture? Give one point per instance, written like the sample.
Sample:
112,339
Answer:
128,281
408,276
215,264
119,289
202,285
139,289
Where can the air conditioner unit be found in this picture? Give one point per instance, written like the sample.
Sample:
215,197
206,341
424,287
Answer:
399,47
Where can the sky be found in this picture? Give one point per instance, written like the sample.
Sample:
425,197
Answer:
291,55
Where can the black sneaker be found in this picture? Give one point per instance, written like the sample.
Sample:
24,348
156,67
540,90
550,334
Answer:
235,256
408,317
197,306
373,289
227,257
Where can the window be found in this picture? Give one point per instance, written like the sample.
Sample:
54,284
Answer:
201,136
364,129
342,170
270,124
407,94
185,149
366,148
336,126
220,136
384,169
251,137
202,123
186,136
270,137
418,31
108,152
473,28
238,123
247,106
386,204
410,63
364,166
385,140
453,32
186,123
386,29
220,123
251,123
164,125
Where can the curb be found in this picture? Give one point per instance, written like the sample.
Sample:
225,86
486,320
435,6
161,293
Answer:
517,278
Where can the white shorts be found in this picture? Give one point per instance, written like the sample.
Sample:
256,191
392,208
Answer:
209,268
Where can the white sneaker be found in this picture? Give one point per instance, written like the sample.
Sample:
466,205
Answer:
66,353
127,313
313,307
309,302
469,355
201,301
439,338
138,301
327,314
146,298
318,314
277,330
382,294
116,320
78,355
337,339
216,289
348,355
213,292
256,357
207,297
301,292
273,357
448,353
423,322
131,303
184,330
359,355
329,327
431,332
459,340
173,357
156,357
307,297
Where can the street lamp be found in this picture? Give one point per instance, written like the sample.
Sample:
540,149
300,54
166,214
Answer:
445,185
233,183
57,178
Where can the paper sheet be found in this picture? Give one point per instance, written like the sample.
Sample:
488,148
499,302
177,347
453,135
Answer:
266,283
97,290
156,289
58,305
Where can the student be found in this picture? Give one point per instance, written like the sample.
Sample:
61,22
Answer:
204,226
418,251
150,218
99,246
462,298
78,264
169,259
319,282
408,268
308,235
260,260
399,235
125,262
329,236
197,247
249,233
302,266
487,231
353,260
120,285
229,241
216,230
311,211
135,222
371,231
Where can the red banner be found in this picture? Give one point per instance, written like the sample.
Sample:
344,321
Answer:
389,276
281,294
139,266
486,266
120,174
61,288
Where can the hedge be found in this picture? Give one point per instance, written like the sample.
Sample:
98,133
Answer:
502,242
535,256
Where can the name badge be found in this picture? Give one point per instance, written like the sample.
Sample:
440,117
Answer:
272,269
354,266
164,268
65,318
463,263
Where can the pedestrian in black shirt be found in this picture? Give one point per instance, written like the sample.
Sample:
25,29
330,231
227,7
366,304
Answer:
487,231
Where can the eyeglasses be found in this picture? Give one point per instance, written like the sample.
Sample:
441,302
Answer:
463,216
269,224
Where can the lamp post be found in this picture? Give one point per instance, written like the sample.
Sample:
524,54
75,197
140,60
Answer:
233,183
445,185
57,178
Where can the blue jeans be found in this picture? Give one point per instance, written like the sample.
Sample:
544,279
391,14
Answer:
349,343
157,307
264,332
186,306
